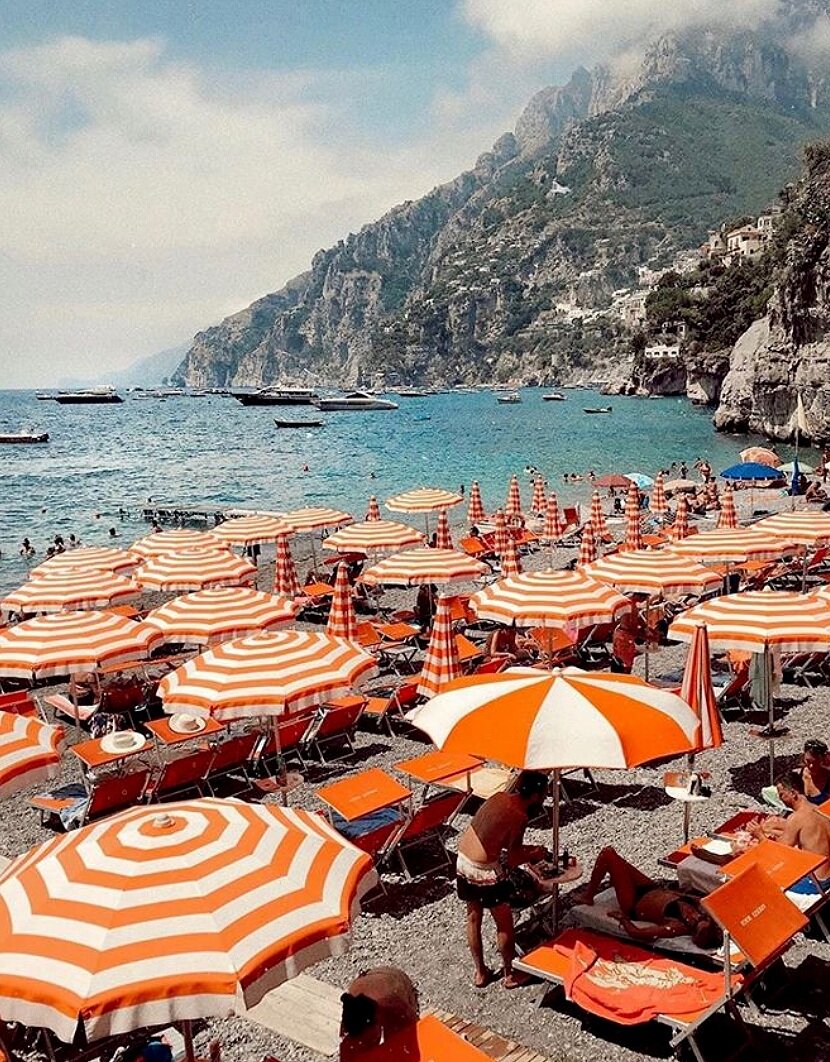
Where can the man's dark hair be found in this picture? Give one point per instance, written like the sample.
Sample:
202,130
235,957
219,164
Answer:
358,1013
532,784
792,780
707,934
816,747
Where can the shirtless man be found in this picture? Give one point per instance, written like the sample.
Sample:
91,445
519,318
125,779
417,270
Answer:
816,771
491,845
380,1003
806,828
672,912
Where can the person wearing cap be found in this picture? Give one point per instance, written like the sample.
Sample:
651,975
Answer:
379,1003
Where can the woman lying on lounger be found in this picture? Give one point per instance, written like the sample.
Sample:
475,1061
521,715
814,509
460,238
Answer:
673,913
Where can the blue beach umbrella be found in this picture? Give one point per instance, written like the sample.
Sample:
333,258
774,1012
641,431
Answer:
749,470
641,479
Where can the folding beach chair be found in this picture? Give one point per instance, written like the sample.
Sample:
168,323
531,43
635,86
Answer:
21,702
382,709
492,665
232,758
469,654
332,723
72,807
426,825
181,775
64,706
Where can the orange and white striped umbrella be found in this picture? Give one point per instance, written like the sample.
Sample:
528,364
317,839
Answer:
265,674
217,614
539,503
423,500
173,541
587,546
373,535
254,530
285,571
654,572
759,619
500,535
513,507
554,524
598,517
549,599
342,622
730,547
509,560
535,720
67,643
728,516
195,569
101,558
761,455
659,506
443,535
30,752
476,513
696,690
801,528
441,664
317,518
414,567
70,590
633,532
160,915
373,512
680,528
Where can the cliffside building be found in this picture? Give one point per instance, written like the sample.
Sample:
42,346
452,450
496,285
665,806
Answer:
745,242
663,349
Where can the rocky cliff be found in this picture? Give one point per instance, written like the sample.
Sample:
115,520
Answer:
504,272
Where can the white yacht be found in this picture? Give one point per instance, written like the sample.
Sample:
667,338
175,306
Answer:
356,400
511,398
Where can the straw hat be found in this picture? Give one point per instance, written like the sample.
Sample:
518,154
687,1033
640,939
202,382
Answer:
182,723
123,741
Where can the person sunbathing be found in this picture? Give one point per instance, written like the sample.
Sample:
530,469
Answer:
506,641
671,912
816,771
805,828
380,1003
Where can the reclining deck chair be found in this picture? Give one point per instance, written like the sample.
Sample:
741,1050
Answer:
331,723
382,709
73,806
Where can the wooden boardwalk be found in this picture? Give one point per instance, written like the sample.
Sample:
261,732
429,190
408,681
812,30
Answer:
489,1042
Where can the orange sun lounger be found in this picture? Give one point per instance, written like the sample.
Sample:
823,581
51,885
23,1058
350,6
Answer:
428,1040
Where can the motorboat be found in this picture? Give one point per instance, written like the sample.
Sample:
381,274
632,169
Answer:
509,399
597,409
298,423
44,396
277,396
412,392
554,396
100,396
24,437
354,400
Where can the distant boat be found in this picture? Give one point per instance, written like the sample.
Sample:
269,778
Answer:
25,437
554,396
509,399
412,392
354,400
277,396
96,396
597,409
44,396
298,423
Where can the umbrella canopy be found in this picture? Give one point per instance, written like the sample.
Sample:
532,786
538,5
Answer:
251,530
696,690
642,481
513,506
500,535
750,470
633,532
30,752
566,718
539,503
218,614
659,505
373,535
423,500
102,558
509,559
613,479
265,674
791,466
173,541
554,524
655,573
680,485
70,590
476,513
680,528
316,518
760,455
68,643
549,599
730,547
342,622
441,664
195,569
443,535
801,528
373,511
728,518
158,915
758,619
587,546
598,517
413,567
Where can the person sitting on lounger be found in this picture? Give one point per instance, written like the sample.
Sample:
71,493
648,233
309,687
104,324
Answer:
671,912
806,828
379,1003
506,641
816,771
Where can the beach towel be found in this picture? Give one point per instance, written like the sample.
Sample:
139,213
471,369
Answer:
628,986
72,814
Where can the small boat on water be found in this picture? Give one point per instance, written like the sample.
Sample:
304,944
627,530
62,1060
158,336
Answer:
299,423
509,399
597,409
277,396
354,400
95,396
44,396
24,437
412,392
554,396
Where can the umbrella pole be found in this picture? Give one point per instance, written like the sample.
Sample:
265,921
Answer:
770,712
555,844
189,1050
313,553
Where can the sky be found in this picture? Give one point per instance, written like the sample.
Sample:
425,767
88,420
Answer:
165,162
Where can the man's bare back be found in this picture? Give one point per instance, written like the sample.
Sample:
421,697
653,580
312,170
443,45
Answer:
497,825
809,830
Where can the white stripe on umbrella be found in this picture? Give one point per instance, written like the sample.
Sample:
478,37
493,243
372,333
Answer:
757,619
441,664
195,569
70,590
549,599
802,528
413,567
476,513
251,530
102,558
220,613
173,541
304,521
373,535
285,573
342,622
30,752
423,500
654,572
443,536
730,547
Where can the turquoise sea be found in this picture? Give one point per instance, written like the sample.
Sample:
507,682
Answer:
213,452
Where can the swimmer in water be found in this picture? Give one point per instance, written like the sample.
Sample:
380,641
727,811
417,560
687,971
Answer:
305,468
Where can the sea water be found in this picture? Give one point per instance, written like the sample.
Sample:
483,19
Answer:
212,453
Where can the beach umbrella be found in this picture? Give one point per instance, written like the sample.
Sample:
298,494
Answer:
728,518
549,599
69,591
509,560
597,520
796,466
659,505
423,500
712,498
342,622
640,479
195,569
500,535
30,752
656,573
443,537
749,471
731,546
587,546
441,664
372,535
633,532
475,513
169,914
254,530
267,673
373,512
760,455
679,486
414,567
513,507
285,573
172,541
613,480
680,528
554,525
316,518
218,614
101,558
759,622
802,528
538,504
697,691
